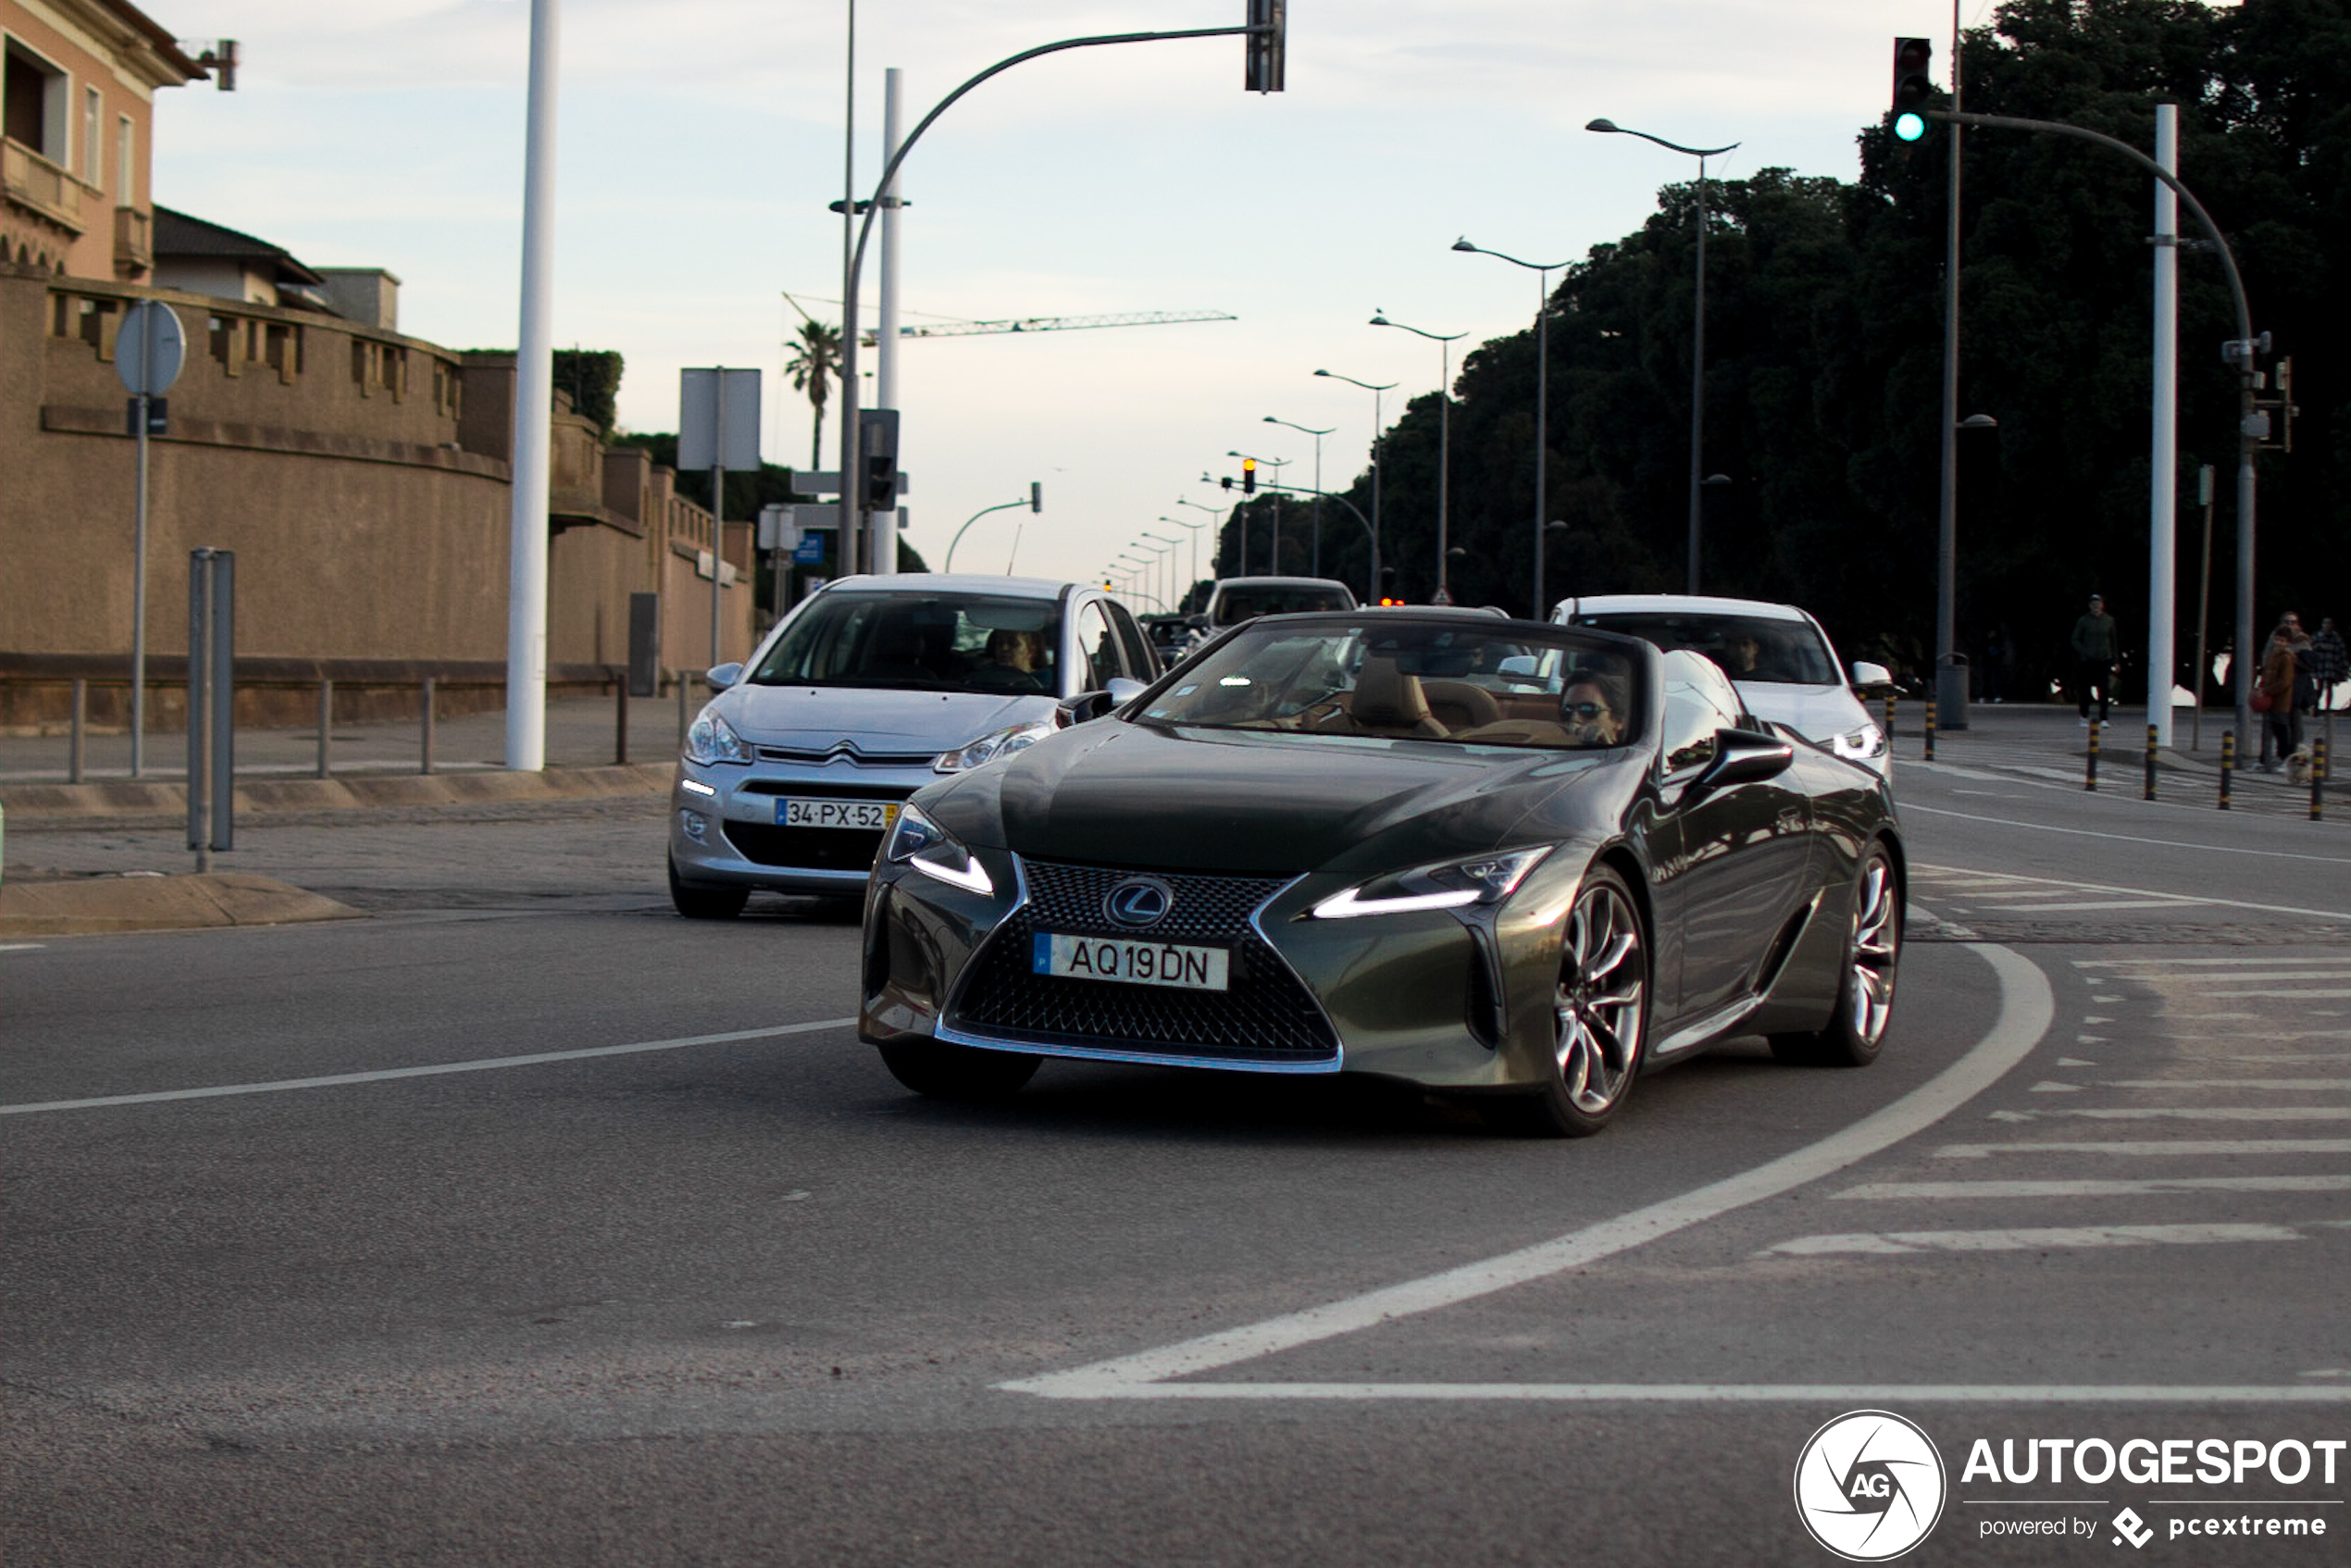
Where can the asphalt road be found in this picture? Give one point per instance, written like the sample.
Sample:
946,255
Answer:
742,1299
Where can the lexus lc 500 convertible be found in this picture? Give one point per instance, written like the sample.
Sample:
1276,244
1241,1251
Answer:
1484,856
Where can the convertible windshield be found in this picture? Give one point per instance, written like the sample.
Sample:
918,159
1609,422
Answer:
1236,603
1767,649
943,641
1399,679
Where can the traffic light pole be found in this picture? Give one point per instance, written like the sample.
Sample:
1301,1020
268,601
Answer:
855,548
1950,673
2253,424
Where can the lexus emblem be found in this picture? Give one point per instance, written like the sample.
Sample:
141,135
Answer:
1139,901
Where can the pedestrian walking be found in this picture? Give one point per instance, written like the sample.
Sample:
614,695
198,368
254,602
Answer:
2275,691
2329,668
2095,652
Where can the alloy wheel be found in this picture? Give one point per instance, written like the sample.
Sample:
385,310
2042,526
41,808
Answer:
1602,994
1877,948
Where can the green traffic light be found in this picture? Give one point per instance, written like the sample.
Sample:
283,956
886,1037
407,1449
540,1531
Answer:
1908,127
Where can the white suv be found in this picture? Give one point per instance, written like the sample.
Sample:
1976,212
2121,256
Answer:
1777,655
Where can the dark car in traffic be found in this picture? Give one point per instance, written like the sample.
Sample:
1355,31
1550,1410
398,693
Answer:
1488,857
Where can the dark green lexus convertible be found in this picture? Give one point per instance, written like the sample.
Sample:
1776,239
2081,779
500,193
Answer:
1485,856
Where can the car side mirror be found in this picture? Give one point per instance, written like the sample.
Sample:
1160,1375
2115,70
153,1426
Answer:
1087,706
1742,756
1122,691
719,678
1871,675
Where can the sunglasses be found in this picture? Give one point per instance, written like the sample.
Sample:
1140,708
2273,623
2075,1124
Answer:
1583,710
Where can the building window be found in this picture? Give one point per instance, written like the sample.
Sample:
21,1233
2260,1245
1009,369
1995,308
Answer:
125,141
36,106
93,105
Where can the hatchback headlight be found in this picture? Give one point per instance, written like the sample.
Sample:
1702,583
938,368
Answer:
987,748
915,840
711,739
1864,744
1451,885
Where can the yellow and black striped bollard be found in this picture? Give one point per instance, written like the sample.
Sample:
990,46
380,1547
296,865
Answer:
2228,763
2317,780
2152,733
1930,729
2092,781
1889,718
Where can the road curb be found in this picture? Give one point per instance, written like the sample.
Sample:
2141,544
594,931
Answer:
29,803
86,905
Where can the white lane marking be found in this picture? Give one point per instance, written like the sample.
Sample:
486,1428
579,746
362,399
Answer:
2233,979
2124,838
387,1073
2226,1083
2137,1147
2202,962
2027,1009
1904,1191
2188,1114
23,947
2308,996
1982,905
1834,1395
2054,1088
2036,1238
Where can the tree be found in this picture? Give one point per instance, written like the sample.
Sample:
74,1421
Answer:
814,365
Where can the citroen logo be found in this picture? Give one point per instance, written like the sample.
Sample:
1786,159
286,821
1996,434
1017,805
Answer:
1139,901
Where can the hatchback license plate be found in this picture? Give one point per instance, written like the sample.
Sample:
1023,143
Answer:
1132,963
874,816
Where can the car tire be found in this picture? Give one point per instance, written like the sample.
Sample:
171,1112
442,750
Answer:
705,903
1600,1014
1872,958
958,1072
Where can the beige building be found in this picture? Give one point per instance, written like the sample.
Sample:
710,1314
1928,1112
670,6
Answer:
360,476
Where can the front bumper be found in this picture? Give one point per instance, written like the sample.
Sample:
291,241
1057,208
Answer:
723,829
1421,997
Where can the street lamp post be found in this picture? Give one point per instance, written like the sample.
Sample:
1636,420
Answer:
1194,529
1543,271
1378,435
1444,342
1173,545
1697,334
1274,556
1316,557
1220,516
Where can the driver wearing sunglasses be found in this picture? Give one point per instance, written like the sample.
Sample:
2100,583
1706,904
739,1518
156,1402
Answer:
1591,718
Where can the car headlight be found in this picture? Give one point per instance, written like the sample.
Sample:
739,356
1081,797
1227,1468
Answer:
711,739
1452,885
1860,745
987,748
915,840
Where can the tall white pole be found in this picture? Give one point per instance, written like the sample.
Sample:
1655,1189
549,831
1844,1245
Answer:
886,328
2163,448
534,404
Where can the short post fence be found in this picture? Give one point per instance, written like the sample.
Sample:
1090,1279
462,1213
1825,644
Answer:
2318,780
77,744
2228,763
1929,729
2091,782
2152,733
326,729
424,745
212,703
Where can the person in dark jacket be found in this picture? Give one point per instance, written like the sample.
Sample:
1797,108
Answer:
2095,652
2278,685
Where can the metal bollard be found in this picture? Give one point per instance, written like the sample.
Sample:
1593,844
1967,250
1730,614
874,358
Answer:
620,725
79,736
1889,718
2092,781
2318,780
2228,763
2152,733
683,720
424,748
326,729
1929,731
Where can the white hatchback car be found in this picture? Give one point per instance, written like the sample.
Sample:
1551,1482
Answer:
1777,655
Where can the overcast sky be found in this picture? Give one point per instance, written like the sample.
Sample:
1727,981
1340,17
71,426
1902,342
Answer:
700,141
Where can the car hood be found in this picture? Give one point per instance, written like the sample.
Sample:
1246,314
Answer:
1817,712
874,720
1113,794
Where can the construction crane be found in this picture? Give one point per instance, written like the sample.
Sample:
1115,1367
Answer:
1054,323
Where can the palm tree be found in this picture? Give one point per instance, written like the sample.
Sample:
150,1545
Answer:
815,362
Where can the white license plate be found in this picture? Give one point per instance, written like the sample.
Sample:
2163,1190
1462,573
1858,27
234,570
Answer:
1132,963
872,815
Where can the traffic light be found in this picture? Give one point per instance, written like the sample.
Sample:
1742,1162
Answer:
1036,495
1227,482
1912,86
878,441
1249,475
1267,42
1388,595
